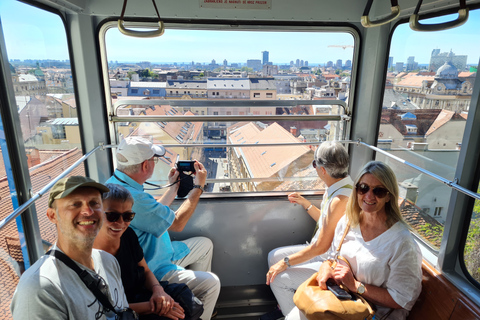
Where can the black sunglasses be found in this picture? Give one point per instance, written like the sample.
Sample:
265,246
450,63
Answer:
379,192
114,216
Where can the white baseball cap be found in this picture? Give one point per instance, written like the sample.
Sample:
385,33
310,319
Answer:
135,150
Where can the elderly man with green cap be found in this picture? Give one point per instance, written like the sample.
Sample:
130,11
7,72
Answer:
50,289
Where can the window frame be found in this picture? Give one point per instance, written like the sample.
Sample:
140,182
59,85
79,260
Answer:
228,26
449,260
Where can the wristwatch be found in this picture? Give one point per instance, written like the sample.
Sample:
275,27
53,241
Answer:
361,288
287,261
199,187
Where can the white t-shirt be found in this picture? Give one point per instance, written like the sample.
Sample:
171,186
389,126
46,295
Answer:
51,290
392,260
340,188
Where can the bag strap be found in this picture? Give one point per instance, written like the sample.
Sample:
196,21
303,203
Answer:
341,241
86,277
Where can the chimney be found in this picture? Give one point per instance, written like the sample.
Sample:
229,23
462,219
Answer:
408,191
293,131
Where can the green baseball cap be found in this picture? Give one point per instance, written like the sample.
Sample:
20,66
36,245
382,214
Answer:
67,185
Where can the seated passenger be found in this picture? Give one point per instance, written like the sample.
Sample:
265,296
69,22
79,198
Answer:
144,294
290,266
386,261
136,158
50,289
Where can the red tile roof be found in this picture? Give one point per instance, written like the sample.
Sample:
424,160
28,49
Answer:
443,117
413,81
266,161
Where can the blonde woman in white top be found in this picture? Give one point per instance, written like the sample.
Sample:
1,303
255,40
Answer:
386,261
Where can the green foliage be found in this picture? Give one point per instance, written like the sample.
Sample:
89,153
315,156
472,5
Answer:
129,74
472,245
249,70
146,73
432,233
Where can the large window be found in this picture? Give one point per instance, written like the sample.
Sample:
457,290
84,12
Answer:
429,87
254,81
44,93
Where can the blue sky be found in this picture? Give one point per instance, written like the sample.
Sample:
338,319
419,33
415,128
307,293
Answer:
31,33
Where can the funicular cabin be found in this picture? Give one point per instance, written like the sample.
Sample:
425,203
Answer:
249,88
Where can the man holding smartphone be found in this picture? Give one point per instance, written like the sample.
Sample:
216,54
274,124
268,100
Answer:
136,158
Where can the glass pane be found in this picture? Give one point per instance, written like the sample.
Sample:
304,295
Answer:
429,86
44,92
472,246
256,167
11,257
211,66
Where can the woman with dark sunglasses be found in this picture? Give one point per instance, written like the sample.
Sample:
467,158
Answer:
386,263
144,293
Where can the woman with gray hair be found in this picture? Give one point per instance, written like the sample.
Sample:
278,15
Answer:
292,265
385,261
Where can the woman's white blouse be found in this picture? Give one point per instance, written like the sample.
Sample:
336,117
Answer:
392,260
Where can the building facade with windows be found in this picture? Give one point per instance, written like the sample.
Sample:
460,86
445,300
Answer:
147,89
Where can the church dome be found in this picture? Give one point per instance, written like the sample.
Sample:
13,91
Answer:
447,71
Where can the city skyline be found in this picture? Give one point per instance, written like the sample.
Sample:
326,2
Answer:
26,38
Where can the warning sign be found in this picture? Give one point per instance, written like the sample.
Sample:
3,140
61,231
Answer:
236,4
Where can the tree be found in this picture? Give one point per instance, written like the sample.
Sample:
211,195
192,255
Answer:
472,245
249,70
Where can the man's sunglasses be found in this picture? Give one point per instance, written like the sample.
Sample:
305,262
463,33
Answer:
379,192
114,216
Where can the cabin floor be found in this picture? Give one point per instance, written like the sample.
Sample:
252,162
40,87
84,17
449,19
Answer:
245,302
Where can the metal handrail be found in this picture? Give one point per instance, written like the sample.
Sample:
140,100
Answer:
44,190
229,103
452,184
38,195
229,118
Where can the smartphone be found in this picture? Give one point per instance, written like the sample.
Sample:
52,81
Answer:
185,166
337,291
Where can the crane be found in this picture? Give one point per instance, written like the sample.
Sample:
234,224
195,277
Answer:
343,46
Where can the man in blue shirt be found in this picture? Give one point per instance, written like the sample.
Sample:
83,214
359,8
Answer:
136,158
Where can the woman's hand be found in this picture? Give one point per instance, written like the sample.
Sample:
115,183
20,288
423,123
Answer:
294,197
275,270
325,272
176,313
343,275
160,302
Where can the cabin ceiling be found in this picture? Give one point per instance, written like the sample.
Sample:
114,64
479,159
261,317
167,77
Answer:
281,10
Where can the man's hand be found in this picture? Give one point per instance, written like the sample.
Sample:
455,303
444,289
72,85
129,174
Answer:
200,174
172,177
